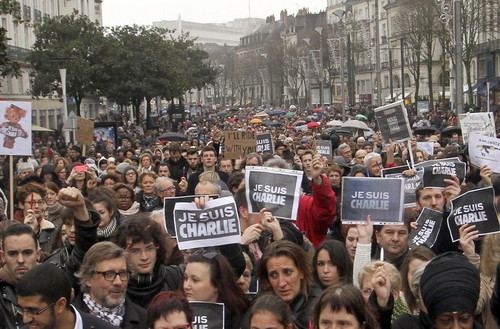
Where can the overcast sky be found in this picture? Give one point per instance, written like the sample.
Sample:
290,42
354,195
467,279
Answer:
144,12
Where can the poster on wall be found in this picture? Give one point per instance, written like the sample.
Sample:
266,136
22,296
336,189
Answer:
15,128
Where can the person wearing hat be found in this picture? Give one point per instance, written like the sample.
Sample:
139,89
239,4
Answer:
450,287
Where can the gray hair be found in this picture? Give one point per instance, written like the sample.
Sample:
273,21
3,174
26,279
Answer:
99,252
277,163
370,156
254,155
343,146
159,180
25,165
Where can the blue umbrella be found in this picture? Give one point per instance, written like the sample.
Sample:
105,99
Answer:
275,112
275,124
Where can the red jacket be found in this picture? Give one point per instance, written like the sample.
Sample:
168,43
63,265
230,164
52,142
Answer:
316,212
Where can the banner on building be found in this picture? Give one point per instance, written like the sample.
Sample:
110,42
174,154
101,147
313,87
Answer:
15,129
275,189
217,224
380,198
476,207
392,120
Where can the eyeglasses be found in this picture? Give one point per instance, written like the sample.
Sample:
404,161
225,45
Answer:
32,312
171,188
130,174
137,251
111,276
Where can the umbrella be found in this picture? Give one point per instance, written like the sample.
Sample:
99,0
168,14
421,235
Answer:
361,117
334,123
261,114
292,107
241,117
172,137
299,122
222,114
233,109
39,128
255,120
276,112
275,124
290,114
318,109
355,124
313,124
449,131
425,130
306,119
232,120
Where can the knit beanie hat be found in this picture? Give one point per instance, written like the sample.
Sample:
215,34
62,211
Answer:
450,283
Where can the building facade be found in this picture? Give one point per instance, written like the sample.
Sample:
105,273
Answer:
45,112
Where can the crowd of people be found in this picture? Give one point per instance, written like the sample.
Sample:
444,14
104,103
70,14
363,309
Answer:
87,245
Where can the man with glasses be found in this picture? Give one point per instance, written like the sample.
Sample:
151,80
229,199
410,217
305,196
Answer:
32,205
165,188
103,283
43,301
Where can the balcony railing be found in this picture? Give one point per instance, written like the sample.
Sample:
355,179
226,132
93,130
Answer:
18,53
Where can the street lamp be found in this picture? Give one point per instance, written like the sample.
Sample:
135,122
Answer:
308,73
340,15
320,30
265,76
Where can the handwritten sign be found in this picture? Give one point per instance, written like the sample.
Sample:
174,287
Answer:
484,150
482,123
238,143
273,188
380,198
475,207
84,131
429,225
217,224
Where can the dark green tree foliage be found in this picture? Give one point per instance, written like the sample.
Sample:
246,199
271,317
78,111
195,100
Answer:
7,66
72,42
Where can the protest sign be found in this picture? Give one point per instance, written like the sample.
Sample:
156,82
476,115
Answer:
238,143
394,170
410,186
427,147
208,315
380,198
429,225
217,224
105,133
476,207
168,210
84,131
435,171
392,120
276,189
15,130
482,123
264,143
484,150
324,147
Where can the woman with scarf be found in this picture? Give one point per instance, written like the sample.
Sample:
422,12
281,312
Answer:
147,198
106,207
